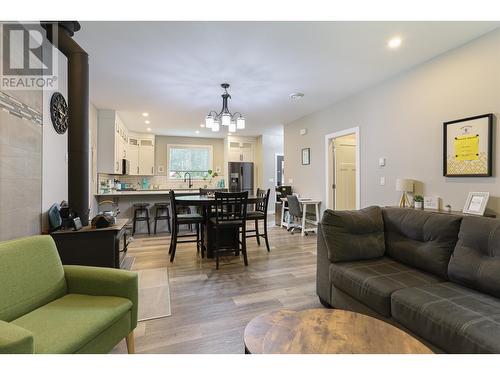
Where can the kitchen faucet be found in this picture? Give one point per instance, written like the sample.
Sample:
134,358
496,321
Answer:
189,179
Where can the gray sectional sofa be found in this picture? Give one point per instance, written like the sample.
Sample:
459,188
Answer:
434,275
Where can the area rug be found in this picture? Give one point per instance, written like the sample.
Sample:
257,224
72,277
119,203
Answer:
154,294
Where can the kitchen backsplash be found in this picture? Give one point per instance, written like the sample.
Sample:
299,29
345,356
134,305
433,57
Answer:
157,182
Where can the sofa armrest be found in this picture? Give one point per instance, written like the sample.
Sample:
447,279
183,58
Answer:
323,284
15,339
100,281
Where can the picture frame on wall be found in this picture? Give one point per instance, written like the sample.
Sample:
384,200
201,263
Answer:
306,156
476,203
468,147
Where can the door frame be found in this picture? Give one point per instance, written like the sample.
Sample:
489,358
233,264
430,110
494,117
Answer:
329,170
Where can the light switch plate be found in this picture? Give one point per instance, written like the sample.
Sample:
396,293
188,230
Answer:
303,131
161,169
382,181
381,162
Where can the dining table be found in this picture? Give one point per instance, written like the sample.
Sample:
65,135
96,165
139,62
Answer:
205,202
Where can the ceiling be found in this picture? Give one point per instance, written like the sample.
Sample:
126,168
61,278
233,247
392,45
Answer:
173,70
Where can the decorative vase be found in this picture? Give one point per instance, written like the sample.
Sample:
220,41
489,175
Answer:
419,205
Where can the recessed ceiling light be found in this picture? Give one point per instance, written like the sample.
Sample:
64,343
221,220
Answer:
296,95
202,125
197,132
145,114
147,122
148,129
395,42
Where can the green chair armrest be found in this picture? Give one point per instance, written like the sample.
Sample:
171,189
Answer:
100,281
15,339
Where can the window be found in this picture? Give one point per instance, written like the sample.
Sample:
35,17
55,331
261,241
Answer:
195,159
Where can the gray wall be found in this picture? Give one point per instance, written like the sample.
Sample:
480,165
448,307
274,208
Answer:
267,146
161,150
401,120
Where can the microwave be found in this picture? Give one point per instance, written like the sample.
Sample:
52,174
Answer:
125,166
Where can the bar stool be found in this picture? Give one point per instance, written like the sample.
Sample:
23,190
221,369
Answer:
162,213
139,209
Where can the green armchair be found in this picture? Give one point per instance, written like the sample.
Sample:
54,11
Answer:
46,307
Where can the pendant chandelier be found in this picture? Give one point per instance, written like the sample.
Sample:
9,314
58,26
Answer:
233,121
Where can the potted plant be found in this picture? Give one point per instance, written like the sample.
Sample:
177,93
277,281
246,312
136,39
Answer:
210,174
418,201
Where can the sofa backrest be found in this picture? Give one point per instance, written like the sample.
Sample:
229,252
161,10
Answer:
31,275
476,260
421,239
353,235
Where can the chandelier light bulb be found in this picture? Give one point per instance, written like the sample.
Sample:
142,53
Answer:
215,126
232,127
240,123
209,121
226,119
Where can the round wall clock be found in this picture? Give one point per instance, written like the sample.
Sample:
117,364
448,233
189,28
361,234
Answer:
59,112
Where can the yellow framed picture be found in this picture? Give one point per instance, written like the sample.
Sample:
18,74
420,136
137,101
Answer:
468,147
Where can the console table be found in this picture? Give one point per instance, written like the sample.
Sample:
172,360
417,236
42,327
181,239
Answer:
89,246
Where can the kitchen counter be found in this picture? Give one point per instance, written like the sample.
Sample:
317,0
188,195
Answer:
147,192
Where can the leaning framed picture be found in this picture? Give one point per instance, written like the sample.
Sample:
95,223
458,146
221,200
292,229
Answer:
468,147
476,203
306,156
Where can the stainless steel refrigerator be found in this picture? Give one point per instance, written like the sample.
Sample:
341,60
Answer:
241,176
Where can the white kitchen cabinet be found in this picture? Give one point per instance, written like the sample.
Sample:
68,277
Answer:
146,156
133,155
115,143
111,142
240,150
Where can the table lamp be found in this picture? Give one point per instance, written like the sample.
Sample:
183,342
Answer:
404,185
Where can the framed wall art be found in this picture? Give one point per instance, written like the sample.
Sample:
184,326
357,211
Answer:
306,156
468,147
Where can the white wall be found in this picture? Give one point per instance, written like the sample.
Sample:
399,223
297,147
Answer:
402,120
54,150
271,145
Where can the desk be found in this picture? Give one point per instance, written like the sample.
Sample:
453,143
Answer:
89,246
304,202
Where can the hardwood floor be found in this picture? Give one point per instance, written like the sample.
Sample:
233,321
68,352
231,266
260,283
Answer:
210,308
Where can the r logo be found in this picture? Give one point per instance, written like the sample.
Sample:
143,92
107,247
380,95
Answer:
23,51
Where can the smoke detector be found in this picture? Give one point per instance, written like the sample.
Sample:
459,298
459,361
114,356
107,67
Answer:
296,95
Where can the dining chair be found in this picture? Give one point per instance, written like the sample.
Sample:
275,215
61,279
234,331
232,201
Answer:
294,211
260,213
230,217
179,219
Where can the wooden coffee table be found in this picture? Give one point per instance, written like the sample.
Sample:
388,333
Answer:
326,331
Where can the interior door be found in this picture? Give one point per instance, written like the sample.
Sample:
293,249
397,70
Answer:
344,184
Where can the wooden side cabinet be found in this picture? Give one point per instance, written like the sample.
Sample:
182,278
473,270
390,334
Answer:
104,247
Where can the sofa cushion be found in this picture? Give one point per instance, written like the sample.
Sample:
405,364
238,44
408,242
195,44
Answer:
421,239
476,260
69,323
373,281
452,317
31,275
353,235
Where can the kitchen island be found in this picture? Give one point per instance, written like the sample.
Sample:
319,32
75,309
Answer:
125,200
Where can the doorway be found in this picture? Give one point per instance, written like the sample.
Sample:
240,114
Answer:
342,170
280,169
